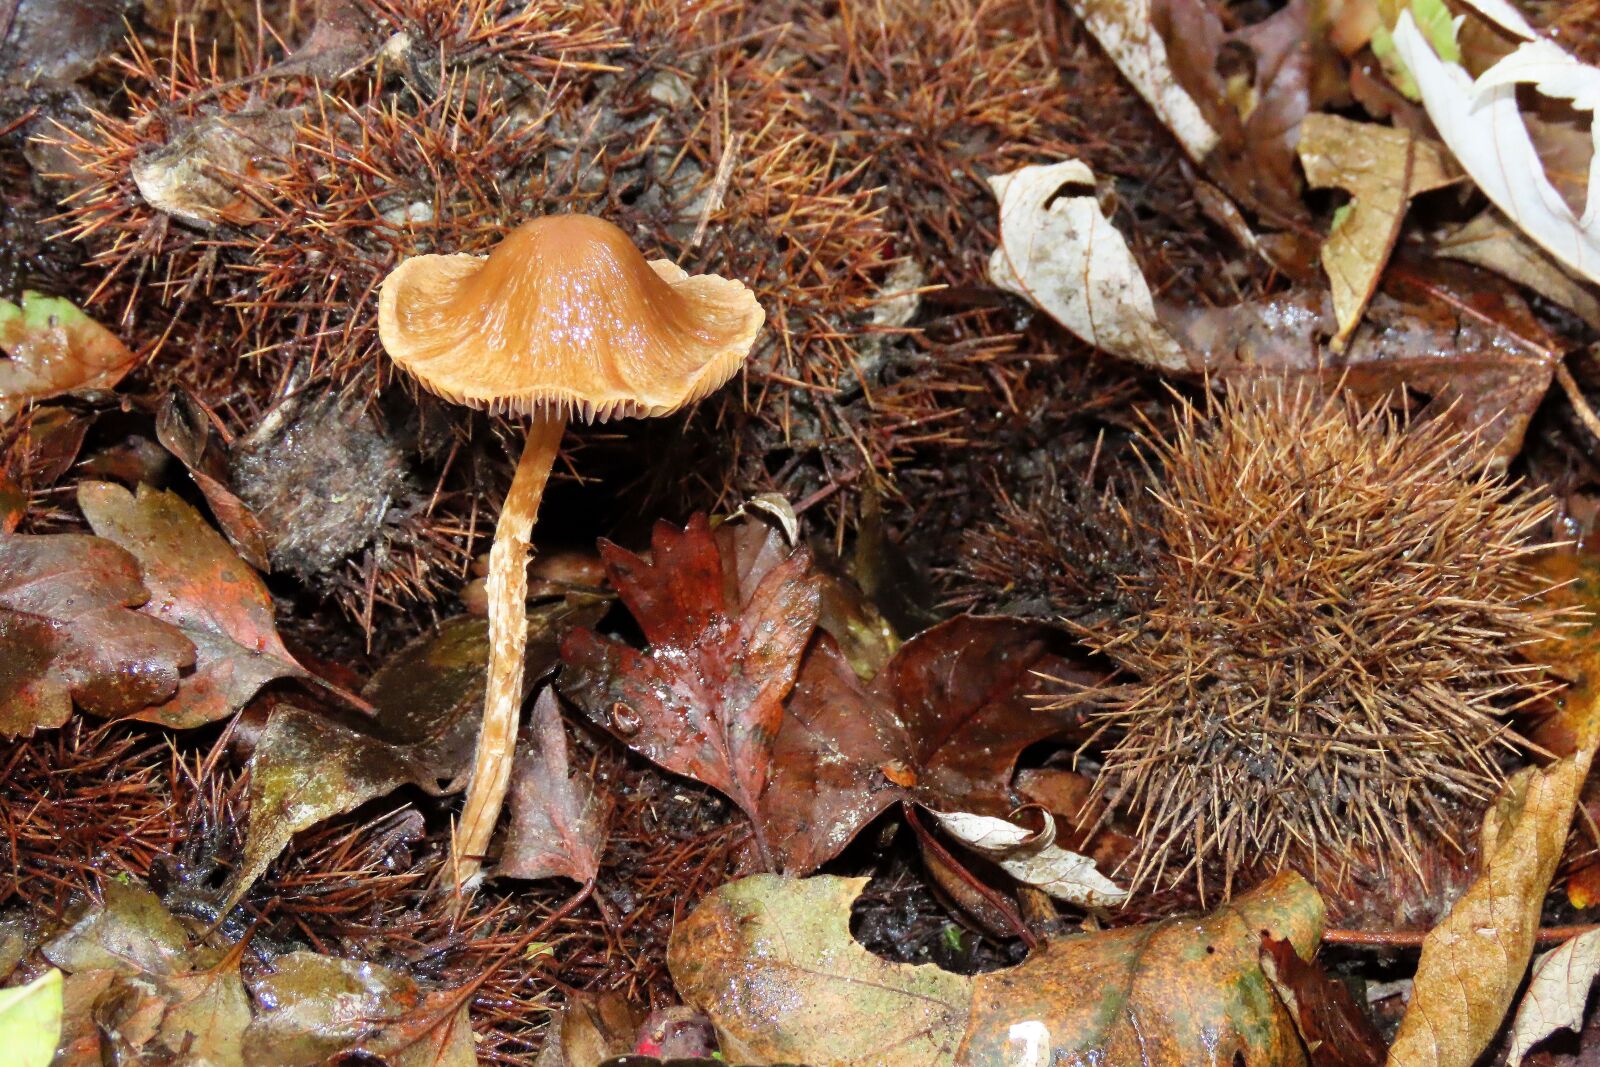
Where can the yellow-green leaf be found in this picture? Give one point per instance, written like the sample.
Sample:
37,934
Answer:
30,1021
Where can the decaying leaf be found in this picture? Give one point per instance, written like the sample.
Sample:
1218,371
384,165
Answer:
1557,994
1382,168
1483,125
557,816
183,427
771,961
307,768
1125,30
199,176
130,932
707,699
1179,991
316,1007
1336,1032
1033,858
52,348
1061,254
198,584
30,1020
68,633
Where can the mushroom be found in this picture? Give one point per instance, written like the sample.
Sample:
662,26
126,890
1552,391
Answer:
563,320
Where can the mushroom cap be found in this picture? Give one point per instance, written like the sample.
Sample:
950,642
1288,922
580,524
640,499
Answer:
565,316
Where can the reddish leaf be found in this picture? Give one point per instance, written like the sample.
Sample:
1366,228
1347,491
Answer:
707,699
558,820
53,348
67,633
200,585
184,429
1336,1031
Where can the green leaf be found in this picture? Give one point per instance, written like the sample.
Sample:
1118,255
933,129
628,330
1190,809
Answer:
30,1021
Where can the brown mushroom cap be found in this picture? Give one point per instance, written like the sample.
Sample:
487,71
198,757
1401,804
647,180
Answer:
565,317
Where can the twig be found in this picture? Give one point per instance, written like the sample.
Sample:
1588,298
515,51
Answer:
1569,385
1549,935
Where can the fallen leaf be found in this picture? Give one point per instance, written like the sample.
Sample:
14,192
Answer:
1061,254
1557,994
1179,991
1033,858
558,819
1252,84
1490,242
198,584
771,961
307,768
52,349
428,697
1382,168
130,932
314,1007
1125,30
1483,126
199,175
57,40
68,633
707,699
591,1028
1336,1032
206,1016
942,724
30,1020
1460,337
1473,962
184,429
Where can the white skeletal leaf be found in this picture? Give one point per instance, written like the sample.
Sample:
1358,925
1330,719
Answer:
1033,858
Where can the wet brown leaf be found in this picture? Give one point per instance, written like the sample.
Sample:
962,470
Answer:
942,724
307,768
707,699
184,429
67,633
771,961
558,819
198,584
1253,87
52,348
1336,1032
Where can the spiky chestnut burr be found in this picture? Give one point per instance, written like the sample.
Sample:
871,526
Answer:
1329,639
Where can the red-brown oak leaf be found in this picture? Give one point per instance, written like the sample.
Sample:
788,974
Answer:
198,584
558,818
706,699
942,724
68,632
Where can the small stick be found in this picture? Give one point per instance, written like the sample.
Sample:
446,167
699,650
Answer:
1569,385
1549,935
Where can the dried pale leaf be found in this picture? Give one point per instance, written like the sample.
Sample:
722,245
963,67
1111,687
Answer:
68,633
315,1007
1126,32
54,348
30,1021
1183,991
1062,254
206,1016
771,961
198,584
558,818
200,175
1557,994
1033,858
1381,167
1473,962
1488,241
1483,126
307,768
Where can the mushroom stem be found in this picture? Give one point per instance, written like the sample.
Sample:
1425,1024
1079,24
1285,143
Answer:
507,588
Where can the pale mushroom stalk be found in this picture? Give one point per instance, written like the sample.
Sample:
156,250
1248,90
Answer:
508,628
564,319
